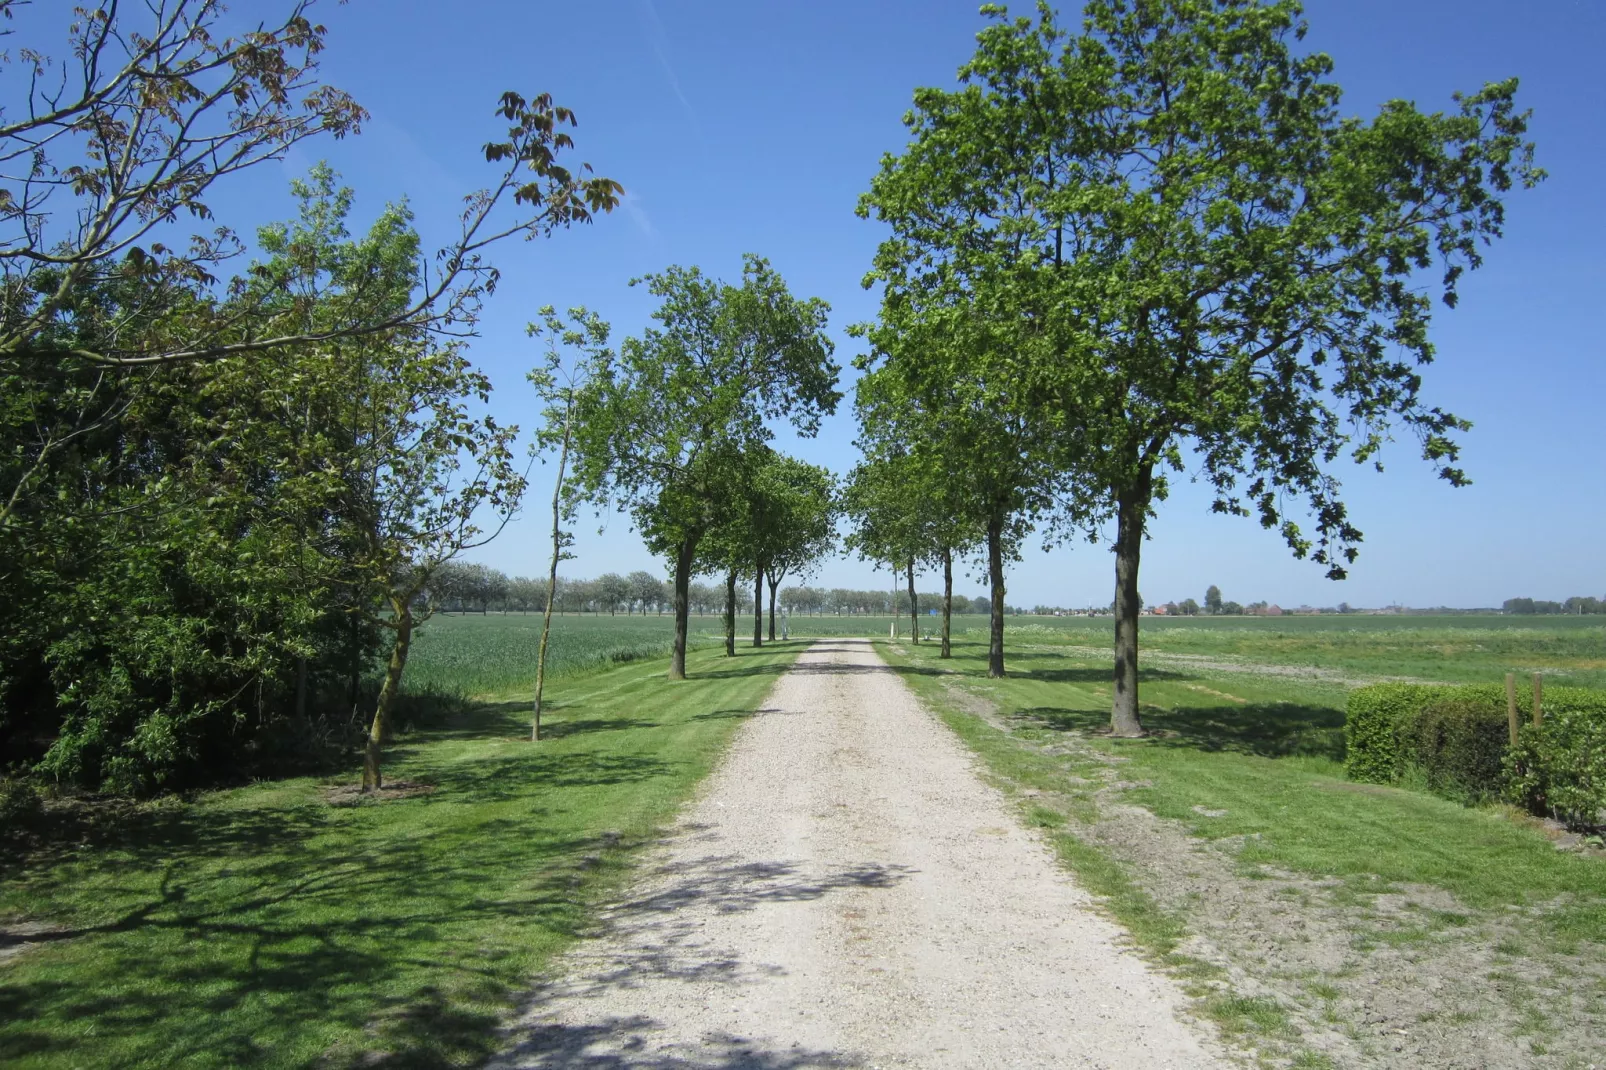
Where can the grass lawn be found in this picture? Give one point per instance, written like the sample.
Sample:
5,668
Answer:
265,926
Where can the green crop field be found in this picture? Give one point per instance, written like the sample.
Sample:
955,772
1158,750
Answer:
495,653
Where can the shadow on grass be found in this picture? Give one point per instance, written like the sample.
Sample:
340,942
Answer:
1269,730
265,921
225,935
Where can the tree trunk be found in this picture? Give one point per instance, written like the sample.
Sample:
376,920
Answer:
1132,511
354,665
683,566
551,579
947,600
914,606
758,606
774,583
730,614
387,693
995,573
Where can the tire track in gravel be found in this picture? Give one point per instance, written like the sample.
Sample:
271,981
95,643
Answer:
846,892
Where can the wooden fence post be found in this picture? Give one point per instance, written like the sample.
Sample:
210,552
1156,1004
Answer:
1539,698
1511,704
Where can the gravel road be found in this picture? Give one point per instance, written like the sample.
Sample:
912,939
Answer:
846,892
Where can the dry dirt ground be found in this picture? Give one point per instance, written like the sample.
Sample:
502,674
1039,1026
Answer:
846,892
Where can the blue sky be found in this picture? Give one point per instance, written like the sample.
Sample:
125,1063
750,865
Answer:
739,127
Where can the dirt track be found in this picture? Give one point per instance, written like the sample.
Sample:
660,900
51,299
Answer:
847,892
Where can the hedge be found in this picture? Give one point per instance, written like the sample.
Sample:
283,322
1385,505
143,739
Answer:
1456,739
1559,768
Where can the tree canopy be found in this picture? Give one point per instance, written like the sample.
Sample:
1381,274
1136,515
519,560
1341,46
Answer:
662,430
1192,249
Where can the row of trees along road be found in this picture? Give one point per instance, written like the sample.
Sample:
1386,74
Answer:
674,429
221,498
1156,245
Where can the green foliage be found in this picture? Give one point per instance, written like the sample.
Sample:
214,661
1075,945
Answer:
1459,743
1457,739
1559,768
1373,750
1160,237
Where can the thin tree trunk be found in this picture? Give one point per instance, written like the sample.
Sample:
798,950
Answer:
774,583
354,665
758,606
947,600
380,728
914,606
995,573
1133,509
730,614
683,566
551,580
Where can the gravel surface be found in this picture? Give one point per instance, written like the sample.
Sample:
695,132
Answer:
846,892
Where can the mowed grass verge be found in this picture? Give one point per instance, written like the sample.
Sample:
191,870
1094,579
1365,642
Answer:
266,926
1265,757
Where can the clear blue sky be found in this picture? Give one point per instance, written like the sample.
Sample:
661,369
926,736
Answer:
740,127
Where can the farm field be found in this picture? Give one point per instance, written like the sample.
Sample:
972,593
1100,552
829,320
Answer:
1317,921
496,652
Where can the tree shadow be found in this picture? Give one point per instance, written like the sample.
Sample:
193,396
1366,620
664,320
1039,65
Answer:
660,936
1265,729
622,1043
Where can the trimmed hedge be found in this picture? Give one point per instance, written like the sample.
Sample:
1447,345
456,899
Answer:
1456,739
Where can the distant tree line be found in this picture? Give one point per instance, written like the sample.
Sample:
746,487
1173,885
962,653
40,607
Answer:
461,587
1578,605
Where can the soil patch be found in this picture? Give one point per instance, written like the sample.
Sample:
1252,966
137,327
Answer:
1391,978
354,795
18,937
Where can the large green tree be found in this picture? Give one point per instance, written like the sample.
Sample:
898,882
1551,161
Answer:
1203,253
662,430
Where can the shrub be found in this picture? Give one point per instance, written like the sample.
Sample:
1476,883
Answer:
1372,718
1458,743
1456,739
20,807
1559,768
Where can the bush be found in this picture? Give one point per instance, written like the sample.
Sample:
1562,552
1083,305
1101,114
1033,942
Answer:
1458,744
1456,739
20,807
1372,720
1559,768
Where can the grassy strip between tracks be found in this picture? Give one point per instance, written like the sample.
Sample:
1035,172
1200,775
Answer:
290,924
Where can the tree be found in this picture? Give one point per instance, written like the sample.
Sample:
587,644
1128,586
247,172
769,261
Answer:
557,385
661,430
793,506
1202,252
155,116
1189,607
150,114
614,591
646,590
1213,600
